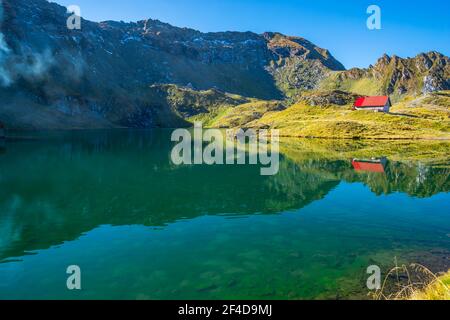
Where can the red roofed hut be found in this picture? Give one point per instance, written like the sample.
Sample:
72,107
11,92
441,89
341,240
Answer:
377,104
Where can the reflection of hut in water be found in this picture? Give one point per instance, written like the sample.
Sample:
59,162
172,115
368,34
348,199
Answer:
370,165
2,131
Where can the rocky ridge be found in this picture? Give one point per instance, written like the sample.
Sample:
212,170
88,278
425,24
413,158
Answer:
151,74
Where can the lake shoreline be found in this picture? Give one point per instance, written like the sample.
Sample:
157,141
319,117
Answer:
368,139
9,137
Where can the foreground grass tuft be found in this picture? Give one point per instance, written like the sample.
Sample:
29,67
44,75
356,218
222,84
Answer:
437,290
420,284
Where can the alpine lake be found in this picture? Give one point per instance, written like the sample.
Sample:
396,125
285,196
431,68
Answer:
140,227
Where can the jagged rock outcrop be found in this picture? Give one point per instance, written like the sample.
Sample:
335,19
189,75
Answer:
425,73
102,75
300,65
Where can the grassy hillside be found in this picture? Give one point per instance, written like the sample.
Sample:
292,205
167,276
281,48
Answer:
241,115
321,114
212,107
427,117
364,86
187,102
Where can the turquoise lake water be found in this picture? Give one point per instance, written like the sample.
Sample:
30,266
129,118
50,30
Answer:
140,227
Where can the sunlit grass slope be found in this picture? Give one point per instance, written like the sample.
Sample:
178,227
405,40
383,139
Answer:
426,117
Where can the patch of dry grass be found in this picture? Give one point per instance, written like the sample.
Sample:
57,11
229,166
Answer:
420,284
439,289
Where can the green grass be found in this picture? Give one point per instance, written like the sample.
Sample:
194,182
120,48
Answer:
240,115
208,119
427,118
236,116
363,86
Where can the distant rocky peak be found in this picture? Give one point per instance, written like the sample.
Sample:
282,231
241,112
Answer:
426,72
291,46
103,71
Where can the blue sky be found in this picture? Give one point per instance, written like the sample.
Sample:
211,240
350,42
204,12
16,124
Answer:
408,27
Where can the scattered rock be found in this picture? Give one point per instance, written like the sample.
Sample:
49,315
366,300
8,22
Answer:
336,97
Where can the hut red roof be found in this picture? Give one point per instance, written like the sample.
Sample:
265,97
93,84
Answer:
379,101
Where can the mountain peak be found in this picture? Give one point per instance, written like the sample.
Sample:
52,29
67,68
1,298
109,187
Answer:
289,46
100,75
427,72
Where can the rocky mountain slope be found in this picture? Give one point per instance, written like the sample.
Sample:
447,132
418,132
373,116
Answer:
188,103
152,74
99,76
425,73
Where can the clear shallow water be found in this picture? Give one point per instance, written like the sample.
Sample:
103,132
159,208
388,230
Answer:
141,228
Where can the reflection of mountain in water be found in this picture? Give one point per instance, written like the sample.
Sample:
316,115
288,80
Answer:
414,179
55,188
